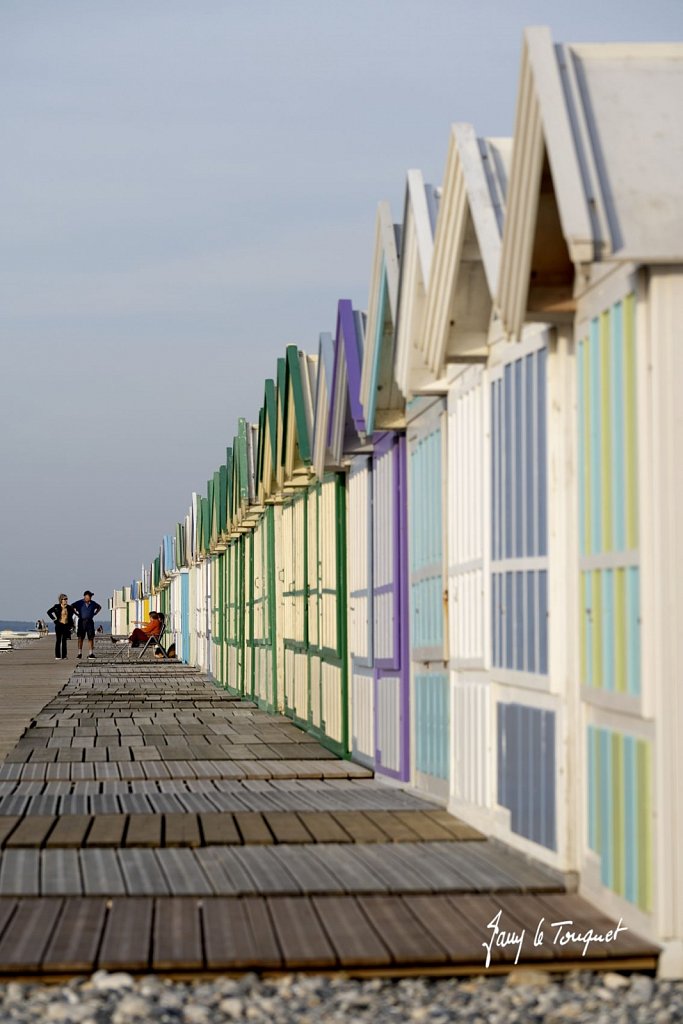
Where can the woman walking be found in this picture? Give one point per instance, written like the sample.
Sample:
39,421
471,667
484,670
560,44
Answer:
62,614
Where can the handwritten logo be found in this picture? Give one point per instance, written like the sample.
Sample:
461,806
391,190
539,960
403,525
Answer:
560,933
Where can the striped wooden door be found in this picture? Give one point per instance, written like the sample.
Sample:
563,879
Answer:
619,746
264,611
390,607
328,716
526,729
248,541
466,520
360,610
185,615
431,704
473,752
235,615
519,541
295,609
218,616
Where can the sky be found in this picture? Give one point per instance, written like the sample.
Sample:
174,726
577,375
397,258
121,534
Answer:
186,187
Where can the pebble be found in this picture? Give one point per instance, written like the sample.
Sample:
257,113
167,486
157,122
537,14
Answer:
579,997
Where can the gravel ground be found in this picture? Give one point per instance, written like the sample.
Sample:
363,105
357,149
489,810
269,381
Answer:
525,997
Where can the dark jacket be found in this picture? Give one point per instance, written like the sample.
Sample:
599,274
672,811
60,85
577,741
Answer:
56,610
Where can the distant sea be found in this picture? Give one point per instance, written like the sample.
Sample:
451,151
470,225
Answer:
20,627
23,627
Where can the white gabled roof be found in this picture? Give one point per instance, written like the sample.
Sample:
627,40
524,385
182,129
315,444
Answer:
603,122
417,246
377,385
467,246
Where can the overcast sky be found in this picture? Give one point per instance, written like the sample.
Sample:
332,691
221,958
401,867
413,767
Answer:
187,186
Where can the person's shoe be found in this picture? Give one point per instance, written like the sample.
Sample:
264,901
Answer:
91,657
57,658
79,655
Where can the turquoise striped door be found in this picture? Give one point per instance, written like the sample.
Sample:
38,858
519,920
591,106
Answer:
431,700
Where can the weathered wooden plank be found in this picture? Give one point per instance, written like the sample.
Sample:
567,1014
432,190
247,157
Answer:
31,832
300,934
20,873
439,872
324,827
286,827
177,935
408,941
253,828
28,933
393,827
183,872
351,874
458,829
107,831
266,868
310,872
448,927
402,873
238,934
181,830
360,827
353,938
127,939
529,875
425,827
7,825
76,938
478,911
484,875
69,831
227,875
142,873
219,829
60,873
101,873
144,830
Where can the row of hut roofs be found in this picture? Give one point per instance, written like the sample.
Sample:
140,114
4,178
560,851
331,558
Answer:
449,545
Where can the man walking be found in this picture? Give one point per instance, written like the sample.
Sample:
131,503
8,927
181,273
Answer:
86,610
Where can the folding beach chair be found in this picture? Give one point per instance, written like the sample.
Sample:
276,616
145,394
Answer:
156,641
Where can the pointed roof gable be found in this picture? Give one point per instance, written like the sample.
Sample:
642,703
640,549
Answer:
419,220
467,248
382,402
323,401
268,432
297,424
580,190
346,422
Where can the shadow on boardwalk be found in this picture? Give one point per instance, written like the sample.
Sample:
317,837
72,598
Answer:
150,821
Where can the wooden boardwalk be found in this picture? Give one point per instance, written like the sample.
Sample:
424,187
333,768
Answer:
149,821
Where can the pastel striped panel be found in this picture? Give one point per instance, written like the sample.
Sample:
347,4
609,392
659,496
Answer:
610,630
432,724
607,421
519,459
519,620
426,546
519,598
608,499
526,771
619,822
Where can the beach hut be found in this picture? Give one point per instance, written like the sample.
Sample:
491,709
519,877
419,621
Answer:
266,602
426,456
314,571
592,246
379,693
